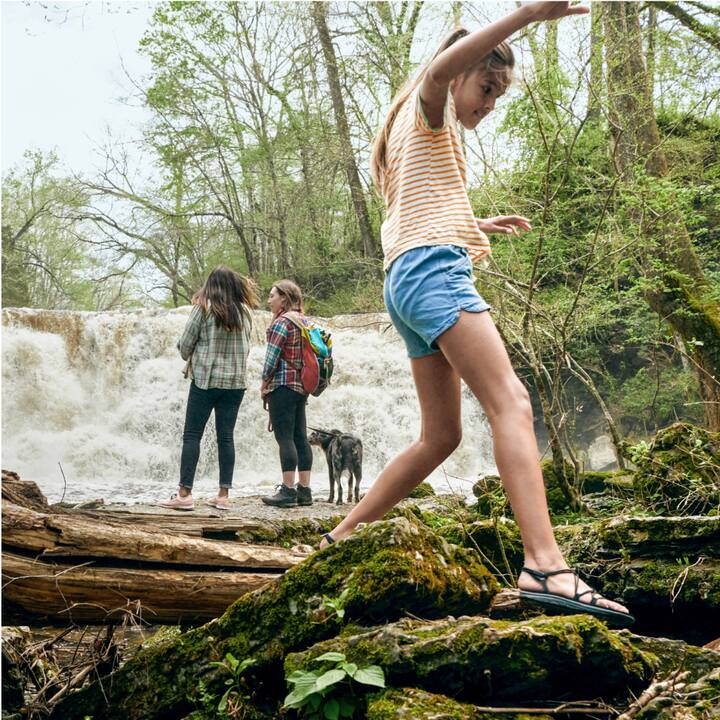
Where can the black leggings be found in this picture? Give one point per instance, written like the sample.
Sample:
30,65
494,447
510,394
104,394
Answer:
200,404
287,415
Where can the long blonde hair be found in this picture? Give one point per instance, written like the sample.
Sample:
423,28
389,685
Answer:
500,60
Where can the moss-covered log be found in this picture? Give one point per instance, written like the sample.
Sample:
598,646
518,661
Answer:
384,571
414,704
479,660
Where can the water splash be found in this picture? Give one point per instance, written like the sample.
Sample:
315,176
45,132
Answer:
103,394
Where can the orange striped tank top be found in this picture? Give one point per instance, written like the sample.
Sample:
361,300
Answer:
424,186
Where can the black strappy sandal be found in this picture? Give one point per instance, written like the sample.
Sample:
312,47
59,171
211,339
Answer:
329,538
573,605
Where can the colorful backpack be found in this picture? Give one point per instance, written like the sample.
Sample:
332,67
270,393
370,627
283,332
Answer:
317,360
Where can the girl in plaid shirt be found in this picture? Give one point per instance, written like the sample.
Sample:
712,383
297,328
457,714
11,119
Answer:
285,397
215,344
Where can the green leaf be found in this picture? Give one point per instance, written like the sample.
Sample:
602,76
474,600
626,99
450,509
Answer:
332,657
331,677
332,710
371,675
350,668
300,677
298,697
347,707
222,705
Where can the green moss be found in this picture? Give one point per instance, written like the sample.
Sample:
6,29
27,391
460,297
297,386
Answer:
679,470
479,660
424,489
415,704
387,569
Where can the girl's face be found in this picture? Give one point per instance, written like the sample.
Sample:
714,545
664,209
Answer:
474,96
276,302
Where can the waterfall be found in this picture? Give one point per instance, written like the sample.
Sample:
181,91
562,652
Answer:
102,396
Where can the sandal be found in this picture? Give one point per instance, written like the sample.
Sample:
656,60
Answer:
329,538
573,605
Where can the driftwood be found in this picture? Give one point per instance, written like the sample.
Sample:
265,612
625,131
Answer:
86,566
78,535
85,592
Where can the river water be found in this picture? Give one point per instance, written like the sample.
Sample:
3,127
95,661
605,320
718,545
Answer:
100,398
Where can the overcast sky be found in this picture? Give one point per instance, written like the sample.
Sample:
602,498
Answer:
63,79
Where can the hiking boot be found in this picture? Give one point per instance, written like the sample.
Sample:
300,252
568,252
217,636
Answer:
304,495
284,497
176,502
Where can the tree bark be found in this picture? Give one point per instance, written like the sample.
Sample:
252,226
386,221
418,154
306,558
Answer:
85,592
679,291
369,243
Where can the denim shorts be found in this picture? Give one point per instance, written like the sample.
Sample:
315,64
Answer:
425,290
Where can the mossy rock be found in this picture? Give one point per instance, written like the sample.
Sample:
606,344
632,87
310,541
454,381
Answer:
475,659
385,570
678,472
424,489
668,655
414,704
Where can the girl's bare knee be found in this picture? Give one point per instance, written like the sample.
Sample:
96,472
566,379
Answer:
443,445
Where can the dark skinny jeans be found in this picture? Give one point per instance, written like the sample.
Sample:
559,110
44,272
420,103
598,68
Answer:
201,403
287,415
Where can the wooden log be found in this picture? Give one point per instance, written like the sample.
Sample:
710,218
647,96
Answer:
86,592
22,492
78,535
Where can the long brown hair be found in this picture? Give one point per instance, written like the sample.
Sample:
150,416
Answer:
229,297
291,293
500,60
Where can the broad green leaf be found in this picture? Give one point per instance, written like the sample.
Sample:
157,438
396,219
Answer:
347,707
332,710
300,677
297,698
372,675
331,677
350,668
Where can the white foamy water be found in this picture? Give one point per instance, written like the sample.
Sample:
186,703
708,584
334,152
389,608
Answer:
103,395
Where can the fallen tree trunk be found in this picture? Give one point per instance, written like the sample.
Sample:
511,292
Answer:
70,535
84,592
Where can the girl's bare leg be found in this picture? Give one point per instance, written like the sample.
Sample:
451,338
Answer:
438,389
474,348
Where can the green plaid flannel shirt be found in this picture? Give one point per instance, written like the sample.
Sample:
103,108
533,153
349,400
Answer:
217,358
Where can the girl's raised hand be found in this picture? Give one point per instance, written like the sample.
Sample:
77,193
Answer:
505,224
556,10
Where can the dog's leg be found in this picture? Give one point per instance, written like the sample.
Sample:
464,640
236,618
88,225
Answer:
331,498
338,476
357,471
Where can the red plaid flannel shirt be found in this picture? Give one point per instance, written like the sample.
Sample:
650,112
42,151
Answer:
283,357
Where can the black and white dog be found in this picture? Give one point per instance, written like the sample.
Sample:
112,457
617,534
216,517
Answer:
343,452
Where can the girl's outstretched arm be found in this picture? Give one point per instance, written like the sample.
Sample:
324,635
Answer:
466,52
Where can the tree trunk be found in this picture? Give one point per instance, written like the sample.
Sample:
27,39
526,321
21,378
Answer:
596,63
679,291
369,243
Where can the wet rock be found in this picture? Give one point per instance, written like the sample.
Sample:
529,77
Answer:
424,489
382,572
476,659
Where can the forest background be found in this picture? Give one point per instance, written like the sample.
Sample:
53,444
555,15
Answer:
256,156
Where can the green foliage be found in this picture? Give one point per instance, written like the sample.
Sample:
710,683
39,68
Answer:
336,606
332,693
237,696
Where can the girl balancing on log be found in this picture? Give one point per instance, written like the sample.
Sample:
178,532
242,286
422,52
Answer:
216,344
430,239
